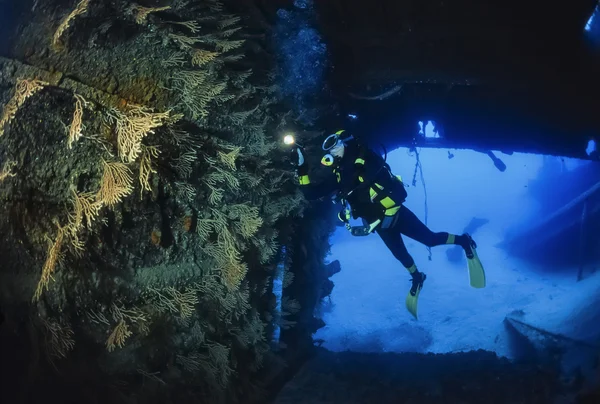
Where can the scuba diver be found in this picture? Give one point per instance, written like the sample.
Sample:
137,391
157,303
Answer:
363,183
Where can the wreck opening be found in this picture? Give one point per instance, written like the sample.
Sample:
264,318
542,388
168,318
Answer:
536,238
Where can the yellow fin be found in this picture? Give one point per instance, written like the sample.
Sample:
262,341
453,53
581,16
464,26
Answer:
476,271
412,303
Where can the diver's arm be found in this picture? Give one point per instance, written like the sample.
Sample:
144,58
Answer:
313,191
320,190
359,162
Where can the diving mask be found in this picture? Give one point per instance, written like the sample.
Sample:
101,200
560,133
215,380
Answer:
335,146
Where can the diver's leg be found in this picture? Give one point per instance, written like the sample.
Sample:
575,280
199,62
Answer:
410,225
393,240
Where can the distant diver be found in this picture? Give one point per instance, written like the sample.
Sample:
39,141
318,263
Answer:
363,183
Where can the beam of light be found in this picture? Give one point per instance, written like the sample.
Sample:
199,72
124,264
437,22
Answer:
591,22
591,147
278,292
428,130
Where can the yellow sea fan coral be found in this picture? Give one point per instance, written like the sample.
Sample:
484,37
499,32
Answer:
54,254
116,184
81,8
23,90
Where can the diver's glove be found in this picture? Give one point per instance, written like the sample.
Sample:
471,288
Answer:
297,157
344,215
364,230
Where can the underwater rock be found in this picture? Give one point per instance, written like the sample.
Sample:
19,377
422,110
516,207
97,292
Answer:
327,288
333,268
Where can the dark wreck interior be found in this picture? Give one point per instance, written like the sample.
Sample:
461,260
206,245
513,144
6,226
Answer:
150,209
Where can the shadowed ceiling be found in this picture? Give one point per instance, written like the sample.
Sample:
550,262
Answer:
512,75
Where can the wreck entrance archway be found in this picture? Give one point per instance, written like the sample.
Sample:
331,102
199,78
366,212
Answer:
464,192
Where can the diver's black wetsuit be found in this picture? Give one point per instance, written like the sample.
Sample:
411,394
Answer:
410,225
373,193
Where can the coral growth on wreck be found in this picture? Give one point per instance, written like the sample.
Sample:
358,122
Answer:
146,199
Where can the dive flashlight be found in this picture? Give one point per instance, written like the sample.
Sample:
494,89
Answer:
289,139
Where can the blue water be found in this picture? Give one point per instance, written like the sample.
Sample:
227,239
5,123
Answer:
367,312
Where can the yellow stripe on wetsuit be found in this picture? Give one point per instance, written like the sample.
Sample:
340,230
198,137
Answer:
391,208
304,180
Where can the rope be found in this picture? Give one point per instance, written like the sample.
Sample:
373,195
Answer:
419,169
